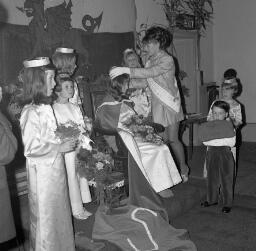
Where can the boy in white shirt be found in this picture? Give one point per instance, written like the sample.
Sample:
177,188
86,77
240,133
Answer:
219,136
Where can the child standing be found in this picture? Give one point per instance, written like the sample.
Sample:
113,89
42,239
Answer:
50,218
160,74
64,112
219,136
229,91
64,60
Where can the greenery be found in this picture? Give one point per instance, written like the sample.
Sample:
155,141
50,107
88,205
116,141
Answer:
97,166
201,10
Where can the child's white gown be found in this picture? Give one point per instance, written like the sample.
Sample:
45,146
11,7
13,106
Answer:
78,186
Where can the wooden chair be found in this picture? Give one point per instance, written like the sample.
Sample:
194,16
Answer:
97,93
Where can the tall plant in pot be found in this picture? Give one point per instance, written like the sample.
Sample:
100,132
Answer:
202,10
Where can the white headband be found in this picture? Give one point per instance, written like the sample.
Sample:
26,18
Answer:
37,62
229,81
129,50
64,50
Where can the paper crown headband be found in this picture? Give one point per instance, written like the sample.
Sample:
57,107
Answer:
64,50
229,81
37,62
129,50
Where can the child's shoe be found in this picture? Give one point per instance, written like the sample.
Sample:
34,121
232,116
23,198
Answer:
83,216
226,210
207,204
184,178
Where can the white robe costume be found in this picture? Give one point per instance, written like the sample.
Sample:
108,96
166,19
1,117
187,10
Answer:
79,192
155,161
50,217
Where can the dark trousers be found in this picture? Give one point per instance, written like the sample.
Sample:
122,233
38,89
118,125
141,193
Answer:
220,175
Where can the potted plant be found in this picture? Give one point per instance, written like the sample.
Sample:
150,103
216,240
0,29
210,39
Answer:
181,12
202,10
172,9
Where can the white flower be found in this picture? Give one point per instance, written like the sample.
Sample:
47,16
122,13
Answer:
85,142
99,165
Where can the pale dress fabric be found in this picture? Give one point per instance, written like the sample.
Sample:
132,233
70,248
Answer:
155,161
141,97
161,69
50,217
79,192
76,97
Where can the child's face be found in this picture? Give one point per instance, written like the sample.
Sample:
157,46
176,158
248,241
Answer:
132,61
151,48
50,82
125,86
219,113
227,93
67,90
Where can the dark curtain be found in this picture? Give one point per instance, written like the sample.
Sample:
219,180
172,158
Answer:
104,50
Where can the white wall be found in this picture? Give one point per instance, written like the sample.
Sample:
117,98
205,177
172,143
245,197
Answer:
149,12
234,42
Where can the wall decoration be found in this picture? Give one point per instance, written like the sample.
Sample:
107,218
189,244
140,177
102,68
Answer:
93,22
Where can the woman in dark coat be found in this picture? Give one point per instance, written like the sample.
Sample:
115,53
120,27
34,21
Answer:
8,148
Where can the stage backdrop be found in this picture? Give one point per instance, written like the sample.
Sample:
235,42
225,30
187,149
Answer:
99,30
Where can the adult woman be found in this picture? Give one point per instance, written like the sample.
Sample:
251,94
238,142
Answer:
160,74
50,217
8,147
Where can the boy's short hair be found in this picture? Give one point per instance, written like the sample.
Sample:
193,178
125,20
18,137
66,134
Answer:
230,73
222,105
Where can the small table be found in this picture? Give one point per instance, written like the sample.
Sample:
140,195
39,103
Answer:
189,122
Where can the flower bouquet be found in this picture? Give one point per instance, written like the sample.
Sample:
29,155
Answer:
71,130
142,128
96,166
67,130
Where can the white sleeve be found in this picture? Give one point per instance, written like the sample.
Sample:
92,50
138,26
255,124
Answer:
221,142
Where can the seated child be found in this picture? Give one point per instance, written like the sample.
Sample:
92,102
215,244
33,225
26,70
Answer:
65,111
155,161
219,136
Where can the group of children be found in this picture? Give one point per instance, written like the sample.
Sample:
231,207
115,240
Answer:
154,90
219,135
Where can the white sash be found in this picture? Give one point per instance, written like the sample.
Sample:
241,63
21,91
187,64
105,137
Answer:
164,96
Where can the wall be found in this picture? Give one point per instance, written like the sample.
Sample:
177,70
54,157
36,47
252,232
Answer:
234,40
118,15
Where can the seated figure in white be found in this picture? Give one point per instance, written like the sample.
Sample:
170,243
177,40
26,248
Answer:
154,161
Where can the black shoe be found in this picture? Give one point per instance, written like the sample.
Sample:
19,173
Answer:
207,204
226,210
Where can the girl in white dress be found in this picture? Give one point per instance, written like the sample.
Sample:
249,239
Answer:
64,112
50,218
64,60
